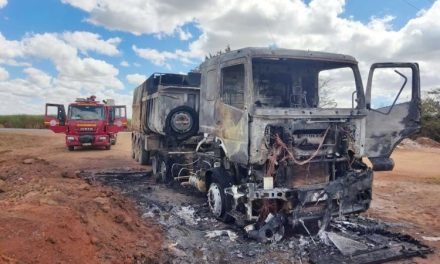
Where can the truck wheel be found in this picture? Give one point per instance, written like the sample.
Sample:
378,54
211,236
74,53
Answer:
161,169
71,148
132,151
182,123
135,150
218,203
144,156
108,147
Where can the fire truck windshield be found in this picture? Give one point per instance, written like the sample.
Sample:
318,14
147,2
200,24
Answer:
86,112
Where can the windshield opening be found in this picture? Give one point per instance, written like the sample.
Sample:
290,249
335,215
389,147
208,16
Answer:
86,112
295,83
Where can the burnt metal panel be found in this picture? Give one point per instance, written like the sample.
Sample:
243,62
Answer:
387,126
232,128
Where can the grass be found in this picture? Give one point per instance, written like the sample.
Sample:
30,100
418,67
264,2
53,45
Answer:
29,121
22,121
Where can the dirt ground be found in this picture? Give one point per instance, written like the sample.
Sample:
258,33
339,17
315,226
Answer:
410,194
49,215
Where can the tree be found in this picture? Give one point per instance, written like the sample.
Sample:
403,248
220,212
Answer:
325,100
431,115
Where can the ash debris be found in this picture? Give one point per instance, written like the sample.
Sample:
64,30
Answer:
194,236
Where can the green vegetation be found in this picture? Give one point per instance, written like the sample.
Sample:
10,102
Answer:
431,115
22,121
29,121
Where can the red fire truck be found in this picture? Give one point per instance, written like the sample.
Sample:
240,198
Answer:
88,122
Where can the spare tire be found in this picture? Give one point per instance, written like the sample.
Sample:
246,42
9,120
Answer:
182,123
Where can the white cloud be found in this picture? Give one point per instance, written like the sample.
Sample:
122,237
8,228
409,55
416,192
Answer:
38,77
86,41
283,23
154,56
9,49
3,3
73,71
4,74
141,16
184,35
161,58
86,5
124,64
76,75
136,79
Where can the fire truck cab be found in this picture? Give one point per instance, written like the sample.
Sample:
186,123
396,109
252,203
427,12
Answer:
88,122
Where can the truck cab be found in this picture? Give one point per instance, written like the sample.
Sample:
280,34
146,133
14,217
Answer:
283,135
87,122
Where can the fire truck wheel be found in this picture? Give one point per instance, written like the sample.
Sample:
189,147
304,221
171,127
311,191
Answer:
182,123
108,147
71,148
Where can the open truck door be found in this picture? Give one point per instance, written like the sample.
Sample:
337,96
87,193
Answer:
55,118
118,118
394,110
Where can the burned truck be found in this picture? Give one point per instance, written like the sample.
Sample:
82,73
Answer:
276,137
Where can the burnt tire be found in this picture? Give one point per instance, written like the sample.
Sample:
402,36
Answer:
135,149
144,156
161,169
133,154
219,204
182,123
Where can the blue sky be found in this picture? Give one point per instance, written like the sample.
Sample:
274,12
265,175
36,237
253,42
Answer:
162,49
21,17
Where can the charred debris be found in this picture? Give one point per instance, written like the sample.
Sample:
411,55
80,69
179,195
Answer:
194,236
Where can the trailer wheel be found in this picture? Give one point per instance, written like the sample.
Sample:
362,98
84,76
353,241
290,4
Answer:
133,151
218,203
144,156
182,123
71,148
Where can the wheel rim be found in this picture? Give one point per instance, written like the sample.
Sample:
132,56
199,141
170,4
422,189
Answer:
163,170
154,165
181,122
215,199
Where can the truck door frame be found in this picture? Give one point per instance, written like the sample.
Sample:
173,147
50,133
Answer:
117,124
56,124
387,126
231,122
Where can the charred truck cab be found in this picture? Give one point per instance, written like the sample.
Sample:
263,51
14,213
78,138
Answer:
277,137
87,123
